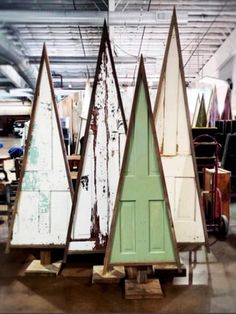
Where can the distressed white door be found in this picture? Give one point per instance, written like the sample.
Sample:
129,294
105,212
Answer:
101,165
44,197
174,137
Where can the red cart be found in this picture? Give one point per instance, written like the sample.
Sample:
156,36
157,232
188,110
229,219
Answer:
216,219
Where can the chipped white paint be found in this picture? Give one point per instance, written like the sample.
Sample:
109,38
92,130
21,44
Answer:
174,140
82,246
101,168
44,203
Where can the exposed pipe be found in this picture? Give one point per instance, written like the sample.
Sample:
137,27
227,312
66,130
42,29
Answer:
21,64
89,17
90,60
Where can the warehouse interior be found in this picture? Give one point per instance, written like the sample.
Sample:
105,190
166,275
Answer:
95,94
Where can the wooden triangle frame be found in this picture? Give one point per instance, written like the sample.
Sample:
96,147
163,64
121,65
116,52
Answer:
202,110
141,77
212,107
104,40
227,110
174,25
44,59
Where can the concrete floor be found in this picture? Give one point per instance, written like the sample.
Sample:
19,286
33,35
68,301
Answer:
209,287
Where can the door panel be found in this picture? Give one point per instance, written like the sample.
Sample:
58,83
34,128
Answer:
127,227
142,233
44,175
172,124
101,165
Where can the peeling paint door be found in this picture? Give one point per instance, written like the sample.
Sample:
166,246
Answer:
174,137
142,227
44,197
104,141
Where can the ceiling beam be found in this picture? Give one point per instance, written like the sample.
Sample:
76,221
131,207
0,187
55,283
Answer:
66,37
187,3
94,29
221,57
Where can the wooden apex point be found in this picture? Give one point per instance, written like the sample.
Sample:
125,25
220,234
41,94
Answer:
151,289
112,276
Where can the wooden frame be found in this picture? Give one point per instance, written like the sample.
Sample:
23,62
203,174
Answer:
202,115
213,109
104,41
141,77
44,60
227,110
174,28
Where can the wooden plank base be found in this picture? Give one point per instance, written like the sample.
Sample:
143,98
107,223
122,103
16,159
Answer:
36,268
148,290
170,269
113,276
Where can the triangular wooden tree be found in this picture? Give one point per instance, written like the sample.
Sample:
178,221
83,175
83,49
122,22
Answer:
172,121
202,116
196,110
227,112
142,232
214,114
100,161
44,197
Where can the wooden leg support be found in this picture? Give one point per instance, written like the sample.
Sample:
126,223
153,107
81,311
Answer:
142,287
45,257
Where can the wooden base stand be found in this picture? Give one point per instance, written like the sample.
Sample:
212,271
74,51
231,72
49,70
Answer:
170,270
44,266
151,289
138,286
112,276
36,268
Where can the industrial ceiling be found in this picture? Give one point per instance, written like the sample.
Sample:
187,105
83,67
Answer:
72,30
